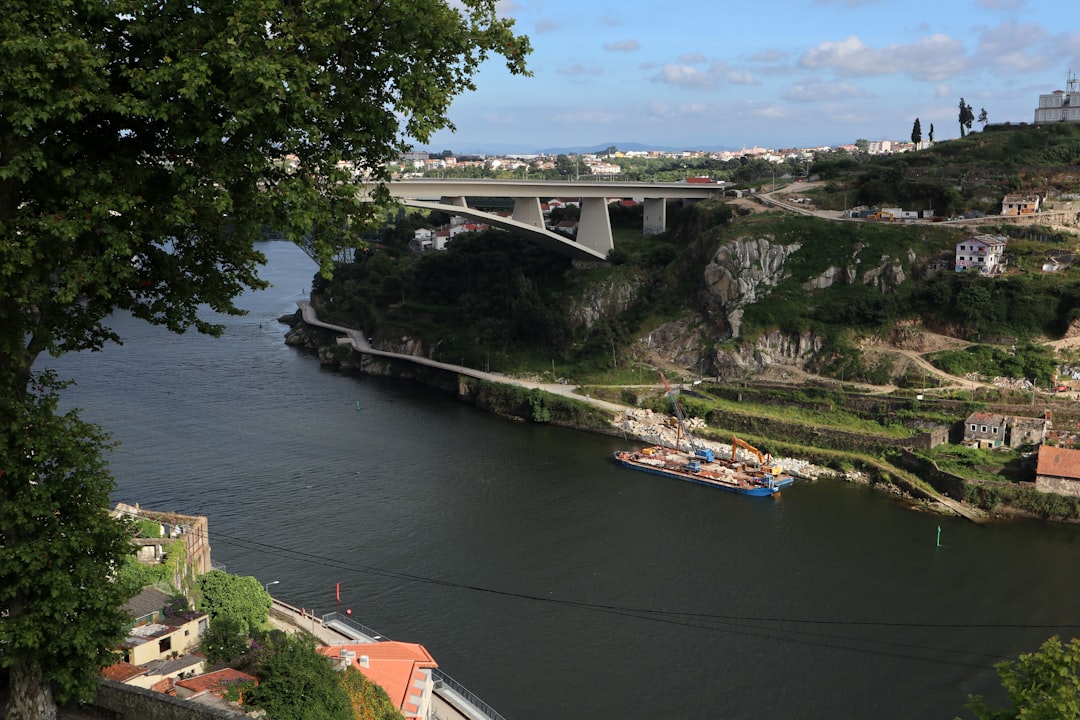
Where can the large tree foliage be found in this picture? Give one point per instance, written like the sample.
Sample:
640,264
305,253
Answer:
56,541
144,147
966,117
916,132
1041,685
241,599
297,683
369,701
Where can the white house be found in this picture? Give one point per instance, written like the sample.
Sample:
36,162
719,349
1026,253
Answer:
1020,204
982,252
1060,105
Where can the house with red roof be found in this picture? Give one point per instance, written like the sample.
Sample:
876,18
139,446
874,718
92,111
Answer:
403,670
1058,471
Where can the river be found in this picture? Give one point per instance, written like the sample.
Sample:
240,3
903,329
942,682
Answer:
547,580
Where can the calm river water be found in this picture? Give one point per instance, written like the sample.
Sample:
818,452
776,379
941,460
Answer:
545,579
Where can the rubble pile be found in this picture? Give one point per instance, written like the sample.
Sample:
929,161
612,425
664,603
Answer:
657,429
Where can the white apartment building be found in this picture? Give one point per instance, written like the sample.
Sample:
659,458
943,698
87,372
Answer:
1060,105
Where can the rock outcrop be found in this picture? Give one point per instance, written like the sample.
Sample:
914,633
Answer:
743,272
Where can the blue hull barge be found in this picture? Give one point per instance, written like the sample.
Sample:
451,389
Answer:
758,480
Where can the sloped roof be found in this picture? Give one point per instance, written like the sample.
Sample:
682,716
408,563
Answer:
391,665
985,418
122,671
214,682
1059,462
148,601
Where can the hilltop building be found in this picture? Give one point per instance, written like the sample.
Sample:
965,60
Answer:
1060,105
984,253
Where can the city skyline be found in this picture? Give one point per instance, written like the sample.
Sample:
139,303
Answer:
793,73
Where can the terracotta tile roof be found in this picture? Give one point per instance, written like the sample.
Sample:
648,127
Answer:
394,666
985,418
215,682
1059,462
122,671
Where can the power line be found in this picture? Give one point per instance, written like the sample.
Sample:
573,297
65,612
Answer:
642,613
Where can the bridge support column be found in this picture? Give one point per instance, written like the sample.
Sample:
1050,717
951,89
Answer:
458,201
594,227
527,210
655,216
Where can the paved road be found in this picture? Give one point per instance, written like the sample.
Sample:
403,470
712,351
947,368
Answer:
359,342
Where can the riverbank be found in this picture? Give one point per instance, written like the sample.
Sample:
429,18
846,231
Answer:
621,420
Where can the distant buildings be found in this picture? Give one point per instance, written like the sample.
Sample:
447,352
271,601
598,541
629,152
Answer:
1020,204
1060,105
985,253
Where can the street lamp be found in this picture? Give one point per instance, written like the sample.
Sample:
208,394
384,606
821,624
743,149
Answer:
266,586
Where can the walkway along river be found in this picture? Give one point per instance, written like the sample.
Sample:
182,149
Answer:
541,576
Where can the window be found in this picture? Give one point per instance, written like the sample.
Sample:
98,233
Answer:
165,644
972,427
994,430
983,428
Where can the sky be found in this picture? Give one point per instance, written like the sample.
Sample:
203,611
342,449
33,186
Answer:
710,74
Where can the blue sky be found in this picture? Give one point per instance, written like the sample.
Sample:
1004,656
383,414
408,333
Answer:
774,73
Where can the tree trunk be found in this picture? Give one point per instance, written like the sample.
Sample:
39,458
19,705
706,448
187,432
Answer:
30,697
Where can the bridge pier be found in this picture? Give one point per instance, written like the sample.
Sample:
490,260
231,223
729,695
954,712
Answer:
527,210
594,227
655,216
456,201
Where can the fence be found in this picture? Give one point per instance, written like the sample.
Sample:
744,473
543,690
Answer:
442,680
339,619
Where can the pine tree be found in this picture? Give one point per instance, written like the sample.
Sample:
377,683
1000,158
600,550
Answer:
916,132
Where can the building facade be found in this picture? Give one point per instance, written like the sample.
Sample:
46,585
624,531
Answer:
1060,105
985,253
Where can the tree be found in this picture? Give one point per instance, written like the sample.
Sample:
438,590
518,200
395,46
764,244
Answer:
863,144
57,541
224,643
966,117
369,701
143,148
982,118
297,683
1042,684
930,137
564,165
241,599
916,132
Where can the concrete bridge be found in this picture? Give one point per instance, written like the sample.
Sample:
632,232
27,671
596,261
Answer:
594,240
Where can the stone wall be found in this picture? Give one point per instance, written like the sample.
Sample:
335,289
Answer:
1061,486
127,702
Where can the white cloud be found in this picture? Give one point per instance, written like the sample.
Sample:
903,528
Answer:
816,90
694,58
771,112
1013,47
622,46
577,70
933,58
736,77
942,91
546,26
686,76
770,56
662,112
